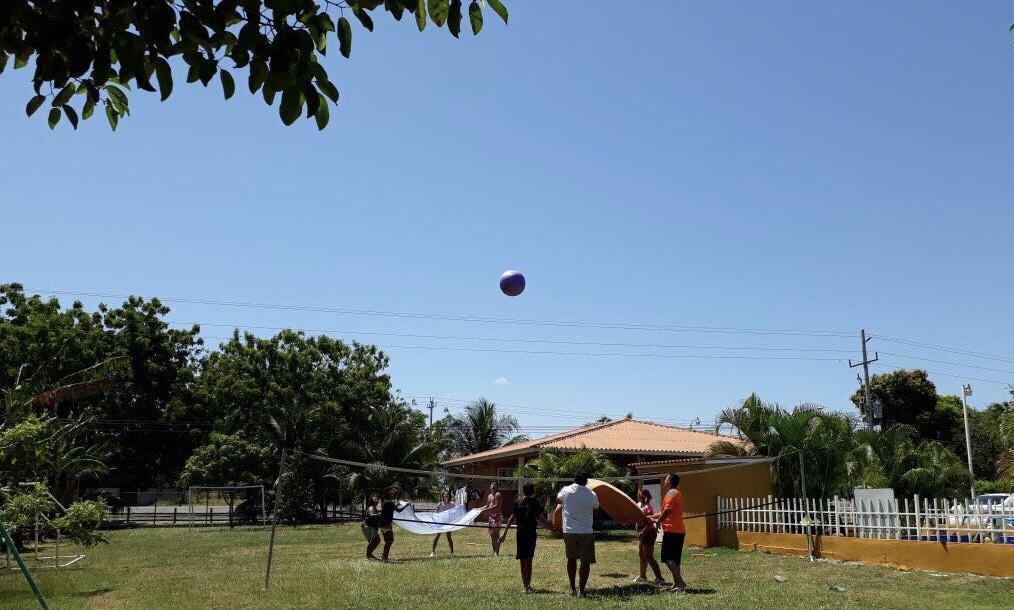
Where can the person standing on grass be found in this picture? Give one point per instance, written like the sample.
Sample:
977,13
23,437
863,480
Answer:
387,510
673,530
527,514
647,534
445,504
495,518
371,526
578,506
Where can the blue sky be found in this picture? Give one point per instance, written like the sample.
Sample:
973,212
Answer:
776,165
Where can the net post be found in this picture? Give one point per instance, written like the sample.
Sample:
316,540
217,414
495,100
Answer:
274,519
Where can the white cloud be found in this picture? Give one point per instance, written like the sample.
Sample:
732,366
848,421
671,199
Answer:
501,381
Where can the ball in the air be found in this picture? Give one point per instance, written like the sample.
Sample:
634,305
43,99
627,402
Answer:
512,283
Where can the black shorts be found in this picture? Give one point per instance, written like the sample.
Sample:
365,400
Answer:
388,535
672,547
526,546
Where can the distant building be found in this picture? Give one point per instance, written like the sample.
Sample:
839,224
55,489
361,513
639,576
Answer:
639,447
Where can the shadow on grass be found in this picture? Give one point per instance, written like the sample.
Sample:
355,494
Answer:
639,590
92,592
395,560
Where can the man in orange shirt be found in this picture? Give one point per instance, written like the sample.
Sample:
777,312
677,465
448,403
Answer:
670,521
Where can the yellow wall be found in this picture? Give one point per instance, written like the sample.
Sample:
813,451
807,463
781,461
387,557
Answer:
701,491
986,559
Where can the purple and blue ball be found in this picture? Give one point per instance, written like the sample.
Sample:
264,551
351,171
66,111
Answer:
512,283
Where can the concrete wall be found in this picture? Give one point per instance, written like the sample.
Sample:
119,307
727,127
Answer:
701,491
986,559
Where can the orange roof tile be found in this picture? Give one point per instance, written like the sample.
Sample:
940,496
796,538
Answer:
629,436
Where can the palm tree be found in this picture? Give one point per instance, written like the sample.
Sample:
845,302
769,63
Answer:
938,472
1005,464
481,429
807,433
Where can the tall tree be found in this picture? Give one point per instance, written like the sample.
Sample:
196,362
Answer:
98,48
904,394
315,396
107,370
480,428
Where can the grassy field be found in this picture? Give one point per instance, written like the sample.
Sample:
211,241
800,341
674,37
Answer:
324,567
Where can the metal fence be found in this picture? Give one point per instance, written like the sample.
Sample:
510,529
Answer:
938,520
198,516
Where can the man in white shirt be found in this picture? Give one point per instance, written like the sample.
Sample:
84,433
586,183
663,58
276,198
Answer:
578,503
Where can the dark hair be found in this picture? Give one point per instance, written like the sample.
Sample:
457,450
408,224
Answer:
644,491
581,478
675,478
528,489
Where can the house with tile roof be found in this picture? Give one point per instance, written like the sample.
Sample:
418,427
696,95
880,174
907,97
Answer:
624,441
640,448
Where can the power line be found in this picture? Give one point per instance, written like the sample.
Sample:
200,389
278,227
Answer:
971,366
517,339
600,354
965,377
943,348
466,318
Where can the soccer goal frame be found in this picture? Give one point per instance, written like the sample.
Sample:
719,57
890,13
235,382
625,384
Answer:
224,489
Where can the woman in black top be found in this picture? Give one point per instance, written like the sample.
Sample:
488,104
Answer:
528,514
387,510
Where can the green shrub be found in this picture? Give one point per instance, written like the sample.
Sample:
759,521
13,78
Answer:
20,507
82,522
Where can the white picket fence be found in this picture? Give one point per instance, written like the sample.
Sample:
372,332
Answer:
938,519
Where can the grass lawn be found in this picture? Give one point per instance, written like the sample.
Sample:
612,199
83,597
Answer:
324,567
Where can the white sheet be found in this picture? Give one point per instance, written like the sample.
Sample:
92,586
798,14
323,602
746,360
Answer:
450,520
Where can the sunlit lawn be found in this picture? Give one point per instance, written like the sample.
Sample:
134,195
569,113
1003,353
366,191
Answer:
324,567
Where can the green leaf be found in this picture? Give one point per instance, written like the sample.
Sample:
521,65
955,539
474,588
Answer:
292,105
54,117
364,18
323,115
3,61
164,74
258,72
228,85
475,17
454,18
118,97
207,71
71,115
20,60
498,8
64,95
269,95
328,89
34,103
89,109
420,15
438,12
344,36
114,118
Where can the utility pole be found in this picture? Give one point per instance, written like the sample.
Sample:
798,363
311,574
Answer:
966,391
432,406
866,375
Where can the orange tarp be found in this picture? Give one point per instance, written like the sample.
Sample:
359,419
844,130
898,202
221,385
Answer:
612,500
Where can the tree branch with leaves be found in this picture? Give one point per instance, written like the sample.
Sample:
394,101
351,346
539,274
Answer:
96,50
